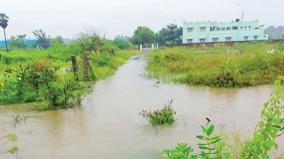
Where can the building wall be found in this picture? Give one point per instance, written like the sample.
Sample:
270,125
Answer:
204,32
29,43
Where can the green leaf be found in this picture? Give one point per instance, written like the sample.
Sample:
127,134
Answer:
210,130
200,137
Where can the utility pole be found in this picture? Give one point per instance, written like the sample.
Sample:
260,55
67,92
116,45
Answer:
6,40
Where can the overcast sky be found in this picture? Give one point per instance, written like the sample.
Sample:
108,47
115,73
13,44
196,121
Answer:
121,17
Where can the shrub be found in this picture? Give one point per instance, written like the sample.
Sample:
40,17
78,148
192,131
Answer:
102,60
160,117
9,91
38,82
15,87
122,42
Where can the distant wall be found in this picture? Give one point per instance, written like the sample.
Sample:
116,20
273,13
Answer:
213,44
29,43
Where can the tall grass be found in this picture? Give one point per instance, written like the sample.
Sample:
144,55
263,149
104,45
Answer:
222,66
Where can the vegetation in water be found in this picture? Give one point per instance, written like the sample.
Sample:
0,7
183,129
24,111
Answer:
270,126
12,138
166,115
221,66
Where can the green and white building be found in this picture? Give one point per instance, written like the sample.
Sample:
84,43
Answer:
236,31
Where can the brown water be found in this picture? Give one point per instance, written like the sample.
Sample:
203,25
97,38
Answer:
107,124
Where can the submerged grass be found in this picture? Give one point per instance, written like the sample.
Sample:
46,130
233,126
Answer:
221,66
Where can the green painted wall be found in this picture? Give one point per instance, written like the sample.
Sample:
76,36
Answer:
202,32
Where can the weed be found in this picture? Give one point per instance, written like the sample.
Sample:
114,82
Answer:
166,115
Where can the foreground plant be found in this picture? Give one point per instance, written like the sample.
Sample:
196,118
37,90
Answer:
211,147
160,117
270,126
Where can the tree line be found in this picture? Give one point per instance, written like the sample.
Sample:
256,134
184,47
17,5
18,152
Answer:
170,34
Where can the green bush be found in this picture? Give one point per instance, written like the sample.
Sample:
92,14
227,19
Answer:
102,60
160,117
122,42
37,81
9,92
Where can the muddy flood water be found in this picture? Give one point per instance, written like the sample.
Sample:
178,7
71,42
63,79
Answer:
107,124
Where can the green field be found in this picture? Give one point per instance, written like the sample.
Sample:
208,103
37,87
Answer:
221,66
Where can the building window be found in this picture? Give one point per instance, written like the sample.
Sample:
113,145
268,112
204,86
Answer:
189,29
212,28
218,28
249,26
202,28
228,38
255,37
228,28
241,27
246,38
235,28
223,28
189,40
215,39
202,40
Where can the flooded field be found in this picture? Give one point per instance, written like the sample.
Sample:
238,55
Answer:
107,124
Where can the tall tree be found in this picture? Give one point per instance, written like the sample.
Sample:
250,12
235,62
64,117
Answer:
4,23
170,35
42,40
143,35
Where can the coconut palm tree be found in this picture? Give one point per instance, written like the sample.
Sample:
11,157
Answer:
4,23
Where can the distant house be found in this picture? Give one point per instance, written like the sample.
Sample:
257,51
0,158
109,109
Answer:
207,32
28,43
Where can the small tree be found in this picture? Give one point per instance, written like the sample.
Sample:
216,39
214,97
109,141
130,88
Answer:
90,41
57,41
17,41
42,40
4,23
122,42
143,35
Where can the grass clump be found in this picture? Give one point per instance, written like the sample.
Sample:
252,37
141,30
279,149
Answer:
163,116
12,138
222,66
